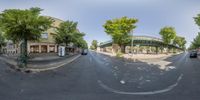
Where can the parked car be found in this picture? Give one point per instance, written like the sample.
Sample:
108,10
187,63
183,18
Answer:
193,54
84,52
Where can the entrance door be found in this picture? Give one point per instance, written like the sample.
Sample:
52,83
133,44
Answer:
51,48
44,48
34,49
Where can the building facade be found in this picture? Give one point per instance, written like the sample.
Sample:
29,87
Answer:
45,45
140,44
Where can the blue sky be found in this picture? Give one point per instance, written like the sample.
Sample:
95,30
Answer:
92,14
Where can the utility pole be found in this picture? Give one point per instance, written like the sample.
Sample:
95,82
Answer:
132,43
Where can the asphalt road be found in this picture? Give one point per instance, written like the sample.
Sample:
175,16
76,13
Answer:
100,77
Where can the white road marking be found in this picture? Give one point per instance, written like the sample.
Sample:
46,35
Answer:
148,80
172,67
169,88
122,82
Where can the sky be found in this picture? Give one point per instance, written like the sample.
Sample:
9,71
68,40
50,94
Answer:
92,14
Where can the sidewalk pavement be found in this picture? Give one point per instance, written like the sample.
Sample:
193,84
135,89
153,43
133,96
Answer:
42,63
136,57
146,56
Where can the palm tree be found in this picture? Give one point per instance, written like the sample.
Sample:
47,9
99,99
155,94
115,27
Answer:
23,26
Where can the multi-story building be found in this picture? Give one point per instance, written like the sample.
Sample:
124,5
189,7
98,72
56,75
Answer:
45,45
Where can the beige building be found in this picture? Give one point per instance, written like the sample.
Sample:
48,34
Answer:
45,45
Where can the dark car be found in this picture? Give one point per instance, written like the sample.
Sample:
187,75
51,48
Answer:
84,52
193,54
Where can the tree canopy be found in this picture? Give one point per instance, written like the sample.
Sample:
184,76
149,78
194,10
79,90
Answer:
180,41
94,45
196,42
168,34
82,44
197,20
2,41
23,25
67,33
119,29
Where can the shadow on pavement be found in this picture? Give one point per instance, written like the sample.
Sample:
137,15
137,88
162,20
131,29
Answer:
138,76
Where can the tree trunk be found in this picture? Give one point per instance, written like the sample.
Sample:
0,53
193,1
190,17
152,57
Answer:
115,48
168,49
162,51
23,54
156,50
122,47
0,49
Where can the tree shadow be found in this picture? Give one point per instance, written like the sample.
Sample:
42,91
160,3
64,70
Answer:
137,76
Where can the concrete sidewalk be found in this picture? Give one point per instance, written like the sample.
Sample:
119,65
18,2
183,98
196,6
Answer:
146,56
141,56
43,64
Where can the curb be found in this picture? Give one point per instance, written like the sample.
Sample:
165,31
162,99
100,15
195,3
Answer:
11,62
60,64
13,65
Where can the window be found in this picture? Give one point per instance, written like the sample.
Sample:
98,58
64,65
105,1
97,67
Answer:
44,35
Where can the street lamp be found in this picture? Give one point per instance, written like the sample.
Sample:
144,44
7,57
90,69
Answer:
132,43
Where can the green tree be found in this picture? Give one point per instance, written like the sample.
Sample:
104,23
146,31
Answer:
191,47
119,29
183,42
168,35
180,41
77,39
67,33
177,41
81,43
94,45
197,20
2,41
196,42
22,26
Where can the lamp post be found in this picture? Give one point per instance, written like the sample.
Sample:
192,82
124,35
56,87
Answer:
132,43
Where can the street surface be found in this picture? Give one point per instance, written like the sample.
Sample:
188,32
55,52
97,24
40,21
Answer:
100,77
